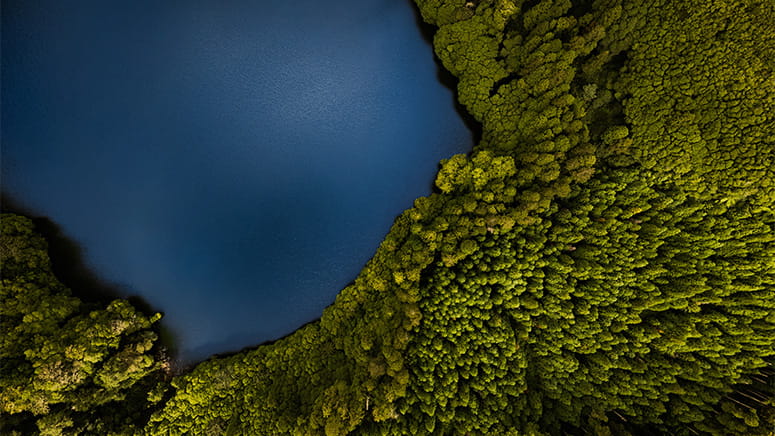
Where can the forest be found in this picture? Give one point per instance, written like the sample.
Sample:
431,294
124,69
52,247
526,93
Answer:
602,262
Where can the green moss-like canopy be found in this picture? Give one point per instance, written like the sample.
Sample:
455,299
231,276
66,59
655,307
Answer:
603,261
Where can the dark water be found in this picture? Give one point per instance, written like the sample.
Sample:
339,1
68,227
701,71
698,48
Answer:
234,162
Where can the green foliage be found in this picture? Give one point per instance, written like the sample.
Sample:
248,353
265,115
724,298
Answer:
65,364
602,262
698,94
590,265
459,173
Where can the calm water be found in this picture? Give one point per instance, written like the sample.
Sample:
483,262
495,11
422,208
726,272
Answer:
234,162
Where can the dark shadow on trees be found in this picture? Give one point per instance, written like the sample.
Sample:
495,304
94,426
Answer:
68,265
446,78
67,258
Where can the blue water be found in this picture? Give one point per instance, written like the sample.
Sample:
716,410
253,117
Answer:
235,163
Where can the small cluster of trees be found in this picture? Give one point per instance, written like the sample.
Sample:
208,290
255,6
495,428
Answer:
68,367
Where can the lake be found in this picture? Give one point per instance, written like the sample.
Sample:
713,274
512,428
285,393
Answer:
234,163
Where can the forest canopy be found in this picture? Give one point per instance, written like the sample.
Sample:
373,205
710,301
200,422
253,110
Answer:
603,261
67,364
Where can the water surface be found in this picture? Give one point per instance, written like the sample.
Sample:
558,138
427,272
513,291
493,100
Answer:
235,163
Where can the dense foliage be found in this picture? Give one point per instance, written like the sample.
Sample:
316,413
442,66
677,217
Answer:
603,261
68,368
